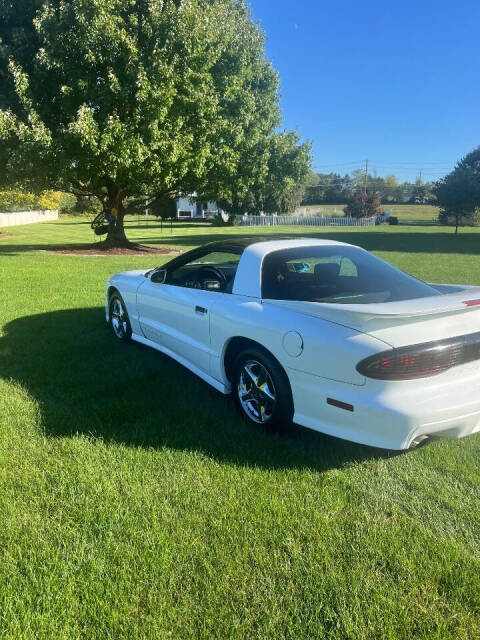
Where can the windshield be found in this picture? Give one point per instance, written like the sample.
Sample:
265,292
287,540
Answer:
338,274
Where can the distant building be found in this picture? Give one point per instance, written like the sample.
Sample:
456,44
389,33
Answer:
191,208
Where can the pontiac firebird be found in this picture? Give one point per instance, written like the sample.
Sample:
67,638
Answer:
315,332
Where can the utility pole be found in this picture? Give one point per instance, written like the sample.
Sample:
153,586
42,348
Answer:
366,177
420,176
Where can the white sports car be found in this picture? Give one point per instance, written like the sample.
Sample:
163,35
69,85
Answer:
317,332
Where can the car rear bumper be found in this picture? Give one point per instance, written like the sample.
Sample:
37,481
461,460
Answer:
389,415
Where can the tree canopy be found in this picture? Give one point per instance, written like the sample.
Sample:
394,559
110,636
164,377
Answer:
122,98
458,193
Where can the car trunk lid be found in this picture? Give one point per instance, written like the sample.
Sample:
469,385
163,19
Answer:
402,323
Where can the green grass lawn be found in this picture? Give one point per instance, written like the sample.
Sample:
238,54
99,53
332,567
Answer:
406,213
414,213
134,503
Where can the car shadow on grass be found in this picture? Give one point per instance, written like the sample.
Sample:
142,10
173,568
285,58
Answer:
86,382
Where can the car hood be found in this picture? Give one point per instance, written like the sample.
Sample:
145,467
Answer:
405,322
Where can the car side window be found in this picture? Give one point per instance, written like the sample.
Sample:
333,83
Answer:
341,275
210,271
310,278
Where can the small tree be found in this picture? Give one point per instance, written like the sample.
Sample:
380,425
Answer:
164,207
391,188
363,205
458,193
421,193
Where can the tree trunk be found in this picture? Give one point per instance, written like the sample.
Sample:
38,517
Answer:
116,233
115,213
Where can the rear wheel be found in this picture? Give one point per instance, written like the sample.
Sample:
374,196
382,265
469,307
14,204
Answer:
119,320
261,390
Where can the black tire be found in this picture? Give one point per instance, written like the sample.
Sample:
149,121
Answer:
119,320
278,414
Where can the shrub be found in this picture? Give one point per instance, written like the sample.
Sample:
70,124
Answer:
218,221
16,199
363,205
49,200
68,202
392,220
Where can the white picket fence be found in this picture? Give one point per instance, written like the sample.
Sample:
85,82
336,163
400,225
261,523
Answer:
304,221
15,218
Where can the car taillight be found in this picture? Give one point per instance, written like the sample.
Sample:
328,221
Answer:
422,360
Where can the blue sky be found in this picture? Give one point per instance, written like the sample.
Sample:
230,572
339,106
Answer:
397,83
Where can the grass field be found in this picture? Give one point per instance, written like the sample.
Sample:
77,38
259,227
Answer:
135,504
406,213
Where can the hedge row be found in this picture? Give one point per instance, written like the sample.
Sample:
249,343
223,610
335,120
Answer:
19,200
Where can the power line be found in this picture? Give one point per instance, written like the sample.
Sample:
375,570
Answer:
392,167
341,164
339,187
389,161
340,181
429,163
352,182
423,167
397,167
433,166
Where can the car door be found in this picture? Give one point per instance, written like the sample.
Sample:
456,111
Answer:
174,307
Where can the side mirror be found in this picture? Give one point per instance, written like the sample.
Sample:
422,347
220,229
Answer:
159,276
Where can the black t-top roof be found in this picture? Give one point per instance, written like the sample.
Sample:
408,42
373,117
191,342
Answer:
243,243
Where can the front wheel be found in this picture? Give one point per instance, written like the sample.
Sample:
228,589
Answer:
261,390
119,320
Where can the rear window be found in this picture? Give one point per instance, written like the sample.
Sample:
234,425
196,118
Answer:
342,275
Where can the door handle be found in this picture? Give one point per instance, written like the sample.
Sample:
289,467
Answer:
201,310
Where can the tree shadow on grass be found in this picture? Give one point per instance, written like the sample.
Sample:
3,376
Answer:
87,382
406,241
467,243
75,222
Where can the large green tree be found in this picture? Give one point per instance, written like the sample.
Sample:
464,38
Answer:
121,99
458,193
270,177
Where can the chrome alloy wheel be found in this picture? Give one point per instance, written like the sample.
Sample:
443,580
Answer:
256,392
119,319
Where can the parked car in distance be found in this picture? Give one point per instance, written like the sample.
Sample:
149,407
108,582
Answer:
385,216
317,332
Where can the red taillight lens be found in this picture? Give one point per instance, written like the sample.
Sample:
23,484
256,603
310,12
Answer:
422,360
